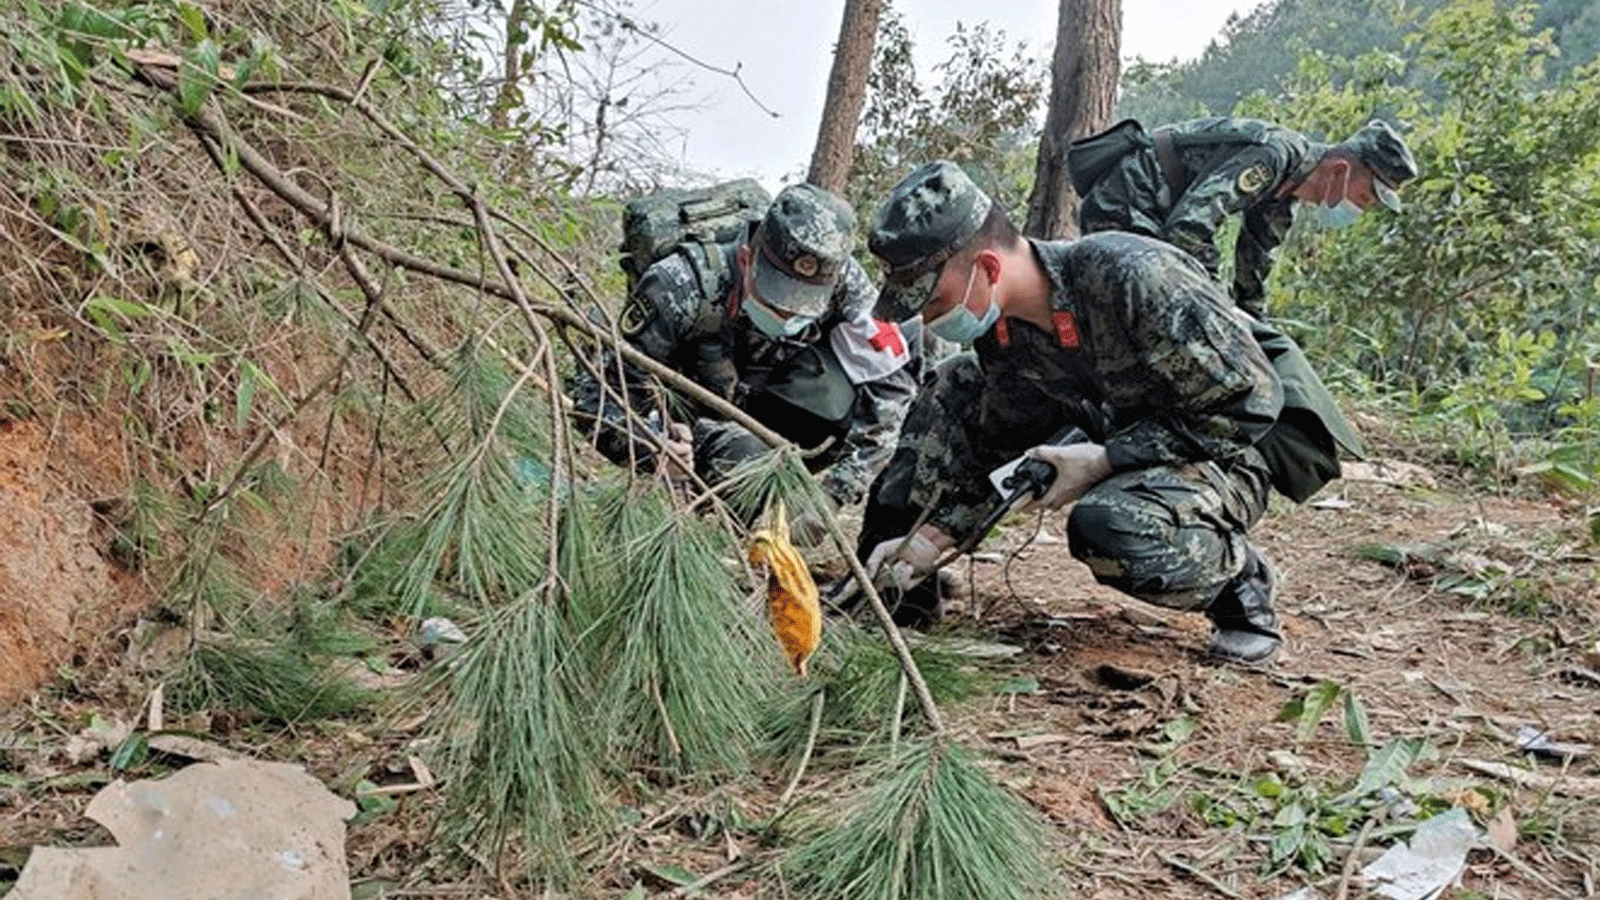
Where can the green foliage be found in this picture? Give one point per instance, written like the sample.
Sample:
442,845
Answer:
274,682
926,824
1158,787
865,691
1477,298
678,642
518,750
981,114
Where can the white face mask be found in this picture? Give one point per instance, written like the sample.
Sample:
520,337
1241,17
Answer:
959,324
771,324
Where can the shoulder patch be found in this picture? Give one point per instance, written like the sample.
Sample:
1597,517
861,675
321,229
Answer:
635,316
1254,178
869,349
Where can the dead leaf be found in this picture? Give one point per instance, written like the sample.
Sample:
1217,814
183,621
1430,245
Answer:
1502,830
1029,741
191,748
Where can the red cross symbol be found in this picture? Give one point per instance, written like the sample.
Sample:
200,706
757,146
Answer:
887,337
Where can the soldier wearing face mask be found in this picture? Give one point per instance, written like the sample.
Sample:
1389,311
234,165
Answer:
779,322
1181,182
1188,411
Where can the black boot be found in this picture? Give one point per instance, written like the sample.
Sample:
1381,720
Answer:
1244,627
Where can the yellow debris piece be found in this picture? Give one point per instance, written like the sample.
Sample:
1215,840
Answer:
792,603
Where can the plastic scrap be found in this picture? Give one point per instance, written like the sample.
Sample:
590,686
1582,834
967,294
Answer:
1431,862
1536,742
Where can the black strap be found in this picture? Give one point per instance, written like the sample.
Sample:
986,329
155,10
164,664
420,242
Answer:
1168,143
1171,163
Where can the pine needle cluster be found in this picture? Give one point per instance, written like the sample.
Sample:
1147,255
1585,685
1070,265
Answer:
928,824
866,696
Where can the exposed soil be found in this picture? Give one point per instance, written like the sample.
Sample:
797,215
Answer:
1089,746
60,594
1425,662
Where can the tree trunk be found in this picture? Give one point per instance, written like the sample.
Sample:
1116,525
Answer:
1083,95
847,93
510,95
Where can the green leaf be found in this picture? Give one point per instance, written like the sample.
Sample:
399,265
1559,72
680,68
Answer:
1179,730
90,22
1388,765
194,19
1355,720
243,401
1019,685
133,751
131,309
1307,711
673,874
197,76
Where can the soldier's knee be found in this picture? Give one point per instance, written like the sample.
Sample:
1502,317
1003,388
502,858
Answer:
1098,530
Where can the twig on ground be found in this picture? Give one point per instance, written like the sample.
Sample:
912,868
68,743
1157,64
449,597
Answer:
733,868
1200,876
1353,859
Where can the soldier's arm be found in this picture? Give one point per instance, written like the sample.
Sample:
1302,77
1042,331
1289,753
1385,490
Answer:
654,321
1240,181
1008,415
1185,358
1261,230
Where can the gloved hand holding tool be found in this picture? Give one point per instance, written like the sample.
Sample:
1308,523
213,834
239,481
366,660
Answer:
1048,476
1074,469
903,561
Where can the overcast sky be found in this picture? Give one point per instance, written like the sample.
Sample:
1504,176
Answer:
783,50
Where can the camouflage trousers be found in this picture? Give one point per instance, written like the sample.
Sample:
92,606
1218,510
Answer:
1168,535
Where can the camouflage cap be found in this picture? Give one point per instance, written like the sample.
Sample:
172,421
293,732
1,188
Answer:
800,248
1384,151
930,214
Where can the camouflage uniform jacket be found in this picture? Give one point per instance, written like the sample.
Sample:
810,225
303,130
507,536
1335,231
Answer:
1147,355
698,331
1229,166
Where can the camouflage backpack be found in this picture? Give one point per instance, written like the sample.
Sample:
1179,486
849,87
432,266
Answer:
655,225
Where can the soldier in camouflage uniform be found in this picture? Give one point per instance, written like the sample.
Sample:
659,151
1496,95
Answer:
1125,337
1181,182
780,324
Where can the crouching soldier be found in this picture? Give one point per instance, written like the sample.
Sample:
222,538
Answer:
777,321
1127,338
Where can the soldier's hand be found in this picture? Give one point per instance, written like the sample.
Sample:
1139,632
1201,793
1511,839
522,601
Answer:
677,464
902,562
1078,467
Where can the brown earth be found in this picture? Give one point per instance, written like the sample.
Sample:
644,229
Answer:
1426,658
60,593
1484,619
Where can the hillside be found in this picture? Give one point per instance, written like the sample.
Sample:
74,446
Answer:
290,294
1146,761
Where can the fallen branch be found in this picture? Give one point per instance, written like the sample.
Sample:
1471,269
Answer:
1565,785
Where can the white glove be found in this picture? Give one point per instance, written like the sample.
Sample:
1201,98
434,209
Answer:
1078,468
902,562
679,441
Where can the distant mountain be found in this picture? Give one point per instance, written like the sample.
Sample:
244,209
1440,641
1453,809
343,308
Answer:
1256,52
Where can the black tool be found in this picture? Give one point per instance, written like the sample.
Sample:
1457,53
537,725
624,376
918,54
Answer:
1031,478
